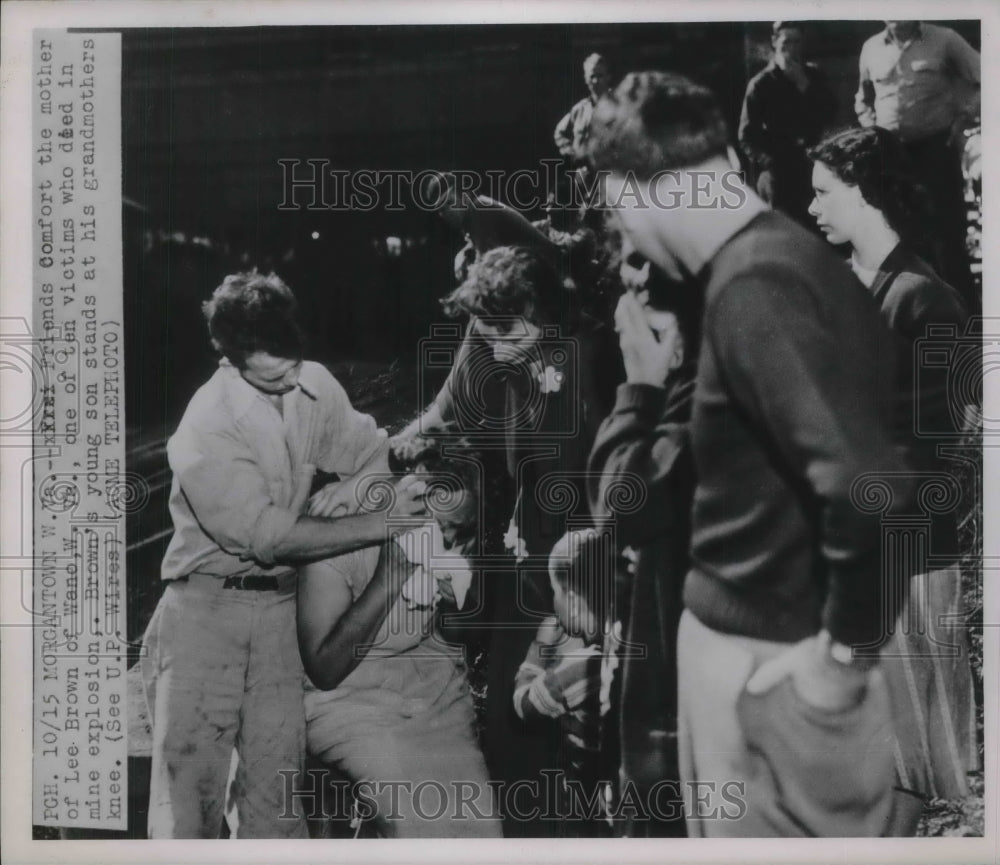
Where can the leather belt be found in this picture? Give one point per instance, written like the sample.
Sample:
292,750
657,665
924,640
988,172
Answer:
252,583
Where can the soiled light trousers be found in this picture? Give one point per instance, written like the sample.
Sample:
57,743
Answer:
222,671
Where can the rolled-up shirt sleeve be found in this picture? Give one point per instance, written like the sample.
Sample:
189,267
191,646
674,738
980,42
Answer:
228,495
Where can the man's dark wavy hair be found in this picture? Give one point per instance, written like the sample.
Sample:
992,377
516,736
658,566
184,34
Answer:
874,160
656,121
252,312
513,282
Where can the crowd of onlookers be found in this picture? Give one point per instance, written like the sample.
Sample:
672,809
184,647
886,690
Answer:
685,489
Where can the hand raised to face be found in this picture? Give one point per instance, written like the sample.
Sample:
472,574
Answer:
650,341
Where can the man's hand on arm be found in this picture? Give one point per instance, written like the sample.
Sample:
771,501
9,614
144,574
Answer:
336,499
312,537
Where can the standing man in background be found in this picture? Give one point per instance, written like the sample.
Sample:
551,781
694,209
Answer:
573,131
787,107
922,82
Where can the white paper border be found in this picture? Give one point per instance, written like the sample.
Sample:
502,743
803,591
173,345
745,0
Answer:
18,18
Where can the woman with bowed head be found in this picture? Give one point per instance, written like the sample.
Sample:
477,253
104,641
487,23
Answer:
388,703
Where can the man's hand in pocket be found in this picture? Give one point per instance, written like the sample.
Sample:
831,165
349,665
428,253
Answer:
816,677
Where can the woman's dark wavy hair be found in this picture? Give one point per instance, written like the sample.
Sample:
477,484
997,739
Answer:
513,282
410,452
448,458
874,160
252,312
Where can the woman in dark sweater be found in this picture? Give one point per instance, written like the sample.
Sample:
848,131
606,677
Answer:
532,380
866,197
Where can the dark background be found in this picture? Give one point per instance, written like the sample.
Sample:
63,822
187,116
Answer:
207,114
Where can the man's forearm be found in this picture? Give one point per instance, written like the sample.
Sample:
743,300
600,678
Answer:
636,442
865,581
313,538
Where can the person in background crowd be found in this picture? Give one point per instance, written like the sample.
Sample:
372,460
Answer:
560,678
388,699
867,196
789,415
922,82
787,107
484,222
645,441
571,135
573,131
222,668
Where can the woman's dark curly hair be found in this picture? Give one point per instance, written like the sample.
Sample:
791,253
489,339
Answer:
452,464
873,159
410,452
512,282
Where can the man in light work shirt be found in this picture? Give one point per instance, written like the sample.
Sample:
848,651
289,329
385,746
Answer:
222,668
922,81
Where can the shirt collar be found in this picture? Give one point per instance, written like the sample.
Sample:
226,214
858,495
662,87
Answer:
244,396
888,39
869,275
775,70
865,274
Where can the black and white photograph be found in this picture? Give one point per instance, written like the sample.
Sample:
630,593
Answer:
558,431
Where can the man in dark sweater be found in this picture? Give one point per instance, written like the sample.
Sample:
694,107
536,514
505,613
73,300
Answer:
784,719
